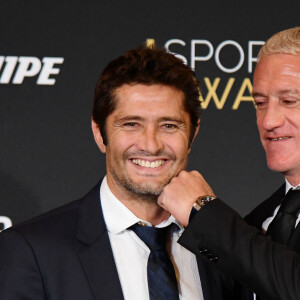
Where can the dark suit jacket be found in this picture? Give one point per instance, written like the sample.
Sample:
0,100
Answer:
65,254
265,209
269,269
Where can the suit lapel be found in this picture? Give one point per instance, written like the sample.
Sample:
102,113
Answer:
94,249
265,209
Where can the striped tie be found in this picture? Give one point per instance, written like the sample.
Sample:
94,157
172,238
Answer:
161,275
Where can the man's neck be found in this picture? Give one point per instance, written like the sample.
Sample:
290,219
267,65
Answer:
293,180
145,207
289,185
148,211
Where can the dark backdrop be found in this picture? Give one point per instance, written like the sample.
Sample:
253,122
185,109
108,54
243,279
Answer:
51,55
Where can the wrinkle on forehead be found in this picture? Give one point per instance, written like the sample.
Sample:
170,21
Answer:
291,92
291,70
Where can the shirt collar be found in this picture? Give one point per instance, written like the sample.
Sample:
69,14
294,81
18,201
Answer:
288,186
118,217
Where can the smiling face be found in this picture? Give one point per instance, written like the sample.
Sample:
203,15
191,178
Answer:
276,92
148,138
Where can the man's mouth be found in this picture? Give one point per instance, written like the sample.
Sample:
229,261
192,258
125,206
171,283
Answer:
148,164
280,138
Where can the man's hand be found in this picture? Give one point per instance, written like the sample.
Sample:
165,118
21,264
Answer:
182,192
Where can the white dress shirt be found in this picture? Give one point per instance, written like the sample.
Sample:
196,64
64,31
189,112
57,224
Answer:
131,254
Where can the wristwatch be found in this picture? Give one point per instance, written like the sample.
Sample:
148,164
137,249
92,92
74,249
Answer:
200,202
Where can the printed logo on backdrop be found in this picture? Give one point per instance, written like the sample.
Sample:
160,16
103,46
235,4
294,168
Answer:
5,222
218,89
15,69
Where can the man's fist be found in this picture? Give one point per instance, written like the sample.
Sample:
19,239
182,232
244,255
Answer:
181,193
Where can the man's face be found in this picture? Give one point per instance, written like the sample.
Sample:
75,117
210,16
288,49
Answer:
148,138
276,91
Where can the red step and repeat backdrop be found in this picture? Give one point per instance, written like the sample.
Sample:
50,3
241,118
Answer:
51,55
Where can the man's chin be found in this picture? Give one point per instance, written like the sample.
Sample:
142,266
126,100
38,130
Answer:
146,189
140,187
278,166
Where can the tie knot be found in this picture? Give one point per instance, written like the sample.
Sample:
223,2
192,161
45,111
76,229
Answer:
155,238
291,202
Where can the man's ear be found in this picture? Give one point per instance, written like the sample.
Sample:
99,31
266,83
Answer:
195,134
98,137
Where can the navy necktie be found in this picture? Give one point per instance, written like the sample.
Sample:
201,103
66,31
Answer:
284,222
162,281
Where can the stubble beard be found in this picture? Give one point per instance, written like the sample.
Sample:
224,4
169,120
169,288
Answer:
145,192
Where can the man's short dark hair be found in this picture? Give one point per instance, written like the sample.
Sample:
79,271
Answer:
145,65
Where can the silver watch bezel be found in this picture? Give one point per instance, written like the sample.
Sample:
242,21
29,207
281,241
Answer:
202,200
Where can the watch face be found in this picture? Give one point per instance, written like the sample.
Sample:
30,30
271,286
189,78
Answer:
201,201
206,199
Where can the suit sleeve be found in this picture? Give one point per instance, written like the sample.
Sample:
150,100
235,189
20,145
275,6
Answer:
267,268
20,277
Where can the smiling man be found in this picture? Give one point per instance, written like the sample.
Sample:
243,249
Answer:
276,94
117,242
266,258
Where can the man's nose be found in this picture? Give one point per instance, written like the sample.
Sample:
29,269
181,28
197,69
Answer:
273,117
150,140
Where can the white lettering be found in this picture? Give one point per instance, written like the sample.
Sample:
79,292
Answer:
11,62
48,69
208,52
5,221
176,41
29,66
252,59
195,58
217,56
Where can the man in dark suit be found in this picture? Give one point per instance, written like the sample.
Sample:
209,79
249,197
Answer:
264,256
145,118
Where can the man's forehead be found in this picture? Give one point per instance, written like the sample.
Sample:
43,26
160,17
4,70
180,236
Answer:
280,92
145,86
278,60
156,93
279,71
149,102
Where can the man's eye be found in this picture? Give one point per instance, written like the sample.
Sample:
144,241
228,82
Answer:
260,104
130,124
170,126
289,102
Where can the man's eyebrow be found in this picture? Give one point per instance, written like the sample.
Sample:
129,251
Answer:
139,118
257,94
295,92
172,119
130,118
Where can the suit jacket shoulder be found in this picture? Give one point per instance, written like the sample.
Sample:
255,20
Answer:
63,254
264,210
265,267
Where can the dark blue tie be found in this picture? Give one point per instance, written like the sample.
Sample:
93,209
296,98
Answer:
162,281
